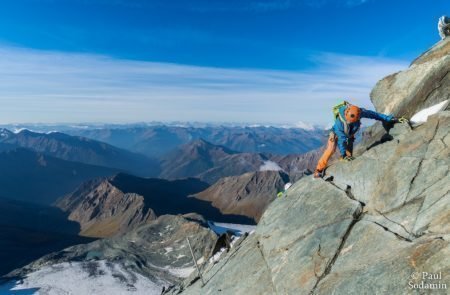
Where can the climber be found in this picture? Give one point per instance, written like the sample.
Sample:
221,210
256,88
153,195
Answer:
444,26
347,122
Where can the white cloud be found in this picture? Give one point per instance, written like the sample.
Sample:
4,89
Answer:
44,86
270,166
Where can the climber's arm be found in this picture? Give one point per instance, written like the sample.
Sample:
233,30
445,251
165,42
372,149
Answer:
341,138
374,115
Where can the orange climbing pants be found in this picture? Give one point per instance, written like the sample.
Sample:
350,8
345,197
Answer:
329,151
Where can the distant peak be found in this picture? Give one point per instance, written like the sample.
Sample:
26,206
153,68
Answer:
4,133
206,145
200,141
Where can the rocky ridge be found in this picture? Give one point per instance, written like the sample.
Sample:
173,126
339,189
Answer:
103,210
248,194
372,226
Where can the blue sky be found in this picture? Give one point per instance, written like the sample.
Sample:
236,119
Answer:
250,61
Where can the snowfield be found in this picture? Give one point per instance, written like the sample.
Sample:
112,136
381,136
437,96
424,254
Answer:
79,278
422,116
103,277
270,166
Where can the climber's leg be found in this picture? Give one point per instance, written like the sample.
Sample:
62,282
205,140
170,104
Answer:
329,151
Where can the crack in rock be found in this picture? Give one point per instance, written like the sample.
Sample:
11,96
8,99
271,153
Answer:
389,230
357,215
399,224
436,87
315,263
258,244
419,167
313,230
347,191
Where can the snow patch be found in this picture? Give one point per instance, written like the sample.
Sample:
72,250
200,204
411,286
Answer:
100,278
236,229
4,133
287,186
270,166
181,272
18,130
201,260
422,116
216,256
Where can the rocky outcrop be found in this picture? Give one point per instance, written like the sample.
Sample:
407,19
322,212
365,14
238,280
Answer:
248,194
369,227
375,225
425,83
103,210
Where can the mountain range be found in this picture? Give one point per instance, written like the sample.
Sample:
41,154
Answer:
108,206
82,150
208,162
157,141
38,178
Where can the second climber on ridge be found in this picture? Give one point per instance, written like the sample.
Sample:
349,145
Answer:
346,125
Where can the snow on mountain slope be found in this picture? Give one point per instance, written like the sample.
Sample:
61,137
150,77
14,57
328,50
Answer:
92,277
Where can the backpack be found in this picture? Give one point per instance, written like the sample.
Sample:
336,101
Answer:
337,115
337,107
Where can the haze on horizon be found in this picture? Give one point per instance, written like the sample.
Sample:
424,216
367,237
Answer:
258,61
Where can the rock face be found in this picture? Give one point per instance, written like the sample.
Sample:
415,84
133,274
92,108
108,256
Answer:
371,226
158,251
208,162
425,83
248,194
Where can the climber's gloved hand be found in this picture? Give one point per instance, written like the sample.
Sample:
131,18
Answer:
347,158
402,120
